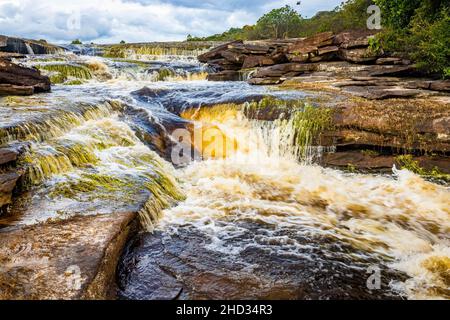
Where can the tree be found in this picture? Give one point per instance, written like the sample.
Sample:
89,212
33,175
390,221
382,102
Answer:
122,42
421,29
279,23
76,41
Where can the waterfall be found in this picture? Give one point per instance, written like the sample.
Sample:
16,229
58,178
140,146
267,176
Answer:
29,49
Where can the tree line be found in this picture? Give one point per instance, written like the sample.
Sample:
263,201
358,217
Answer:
417,29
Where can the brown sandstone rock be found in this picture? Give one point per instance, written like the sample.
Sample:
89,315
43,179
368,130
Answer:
7,155
257,61
13,76
442,85
69,259
227,75
357,55
381,92
233,57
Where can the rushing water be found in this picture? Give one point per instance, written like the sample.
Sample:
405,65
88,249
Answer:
257,219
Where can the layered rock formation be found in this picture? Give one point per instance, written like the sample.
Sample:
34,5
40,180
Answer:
25,46
369,135
352,56
18,80
9,173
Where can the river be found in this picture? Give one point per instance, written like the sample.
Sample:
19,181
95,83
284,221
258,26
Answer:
248,213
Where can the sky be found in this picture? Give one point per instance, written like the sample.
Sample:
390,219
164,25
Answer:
110,21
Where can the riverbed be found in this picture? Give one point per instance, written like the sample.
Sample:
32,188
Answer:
248,214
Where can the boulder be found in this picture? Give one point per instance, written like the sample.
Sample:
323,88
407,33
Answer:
216,53
224,64
8,182
357,55
257,61
283,69
8,155
8,56
15,79
233,57
410,125
312,43
353,39
227,75
360,160
69,259
11,90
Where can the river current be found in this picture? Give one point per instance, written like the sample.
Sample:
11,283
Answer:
251,217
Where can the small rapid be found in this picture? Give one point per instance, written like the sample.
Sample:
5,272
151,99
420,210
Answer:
251,214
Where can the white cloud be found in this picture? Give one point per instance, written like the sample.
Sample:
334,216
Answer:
135,20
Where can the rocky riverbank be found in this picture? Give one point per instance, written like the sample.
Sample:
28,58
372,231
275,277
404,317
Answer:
18,80
388,109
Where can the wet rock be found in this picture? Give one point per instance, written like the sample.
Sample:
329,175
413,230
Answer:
15,79
224,64
72,259
11,90
8,56
414,125
7,155
227,75
182,266
359,160
8,182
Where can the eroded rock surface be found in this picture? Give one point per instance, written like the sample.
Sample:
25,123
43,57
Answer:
72,259
18,80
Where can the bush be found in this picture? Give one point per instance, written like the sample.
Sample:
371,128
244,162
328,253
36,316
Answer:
420,29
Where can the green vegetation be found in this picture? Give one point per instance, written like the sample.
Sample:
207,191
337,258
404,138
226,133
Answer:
77,41
309,123
407,162
285,22
165,74
420,29
60,73
417,29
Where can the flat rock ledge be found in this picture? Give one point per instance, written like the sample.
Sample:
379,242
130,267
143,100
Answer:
19,80
362,70
70,259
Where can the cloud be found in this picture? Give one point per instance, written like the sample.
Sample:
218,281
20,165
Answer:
107,21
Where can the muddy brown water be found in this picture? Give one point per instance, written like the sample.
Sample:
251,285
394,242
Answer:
258,221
